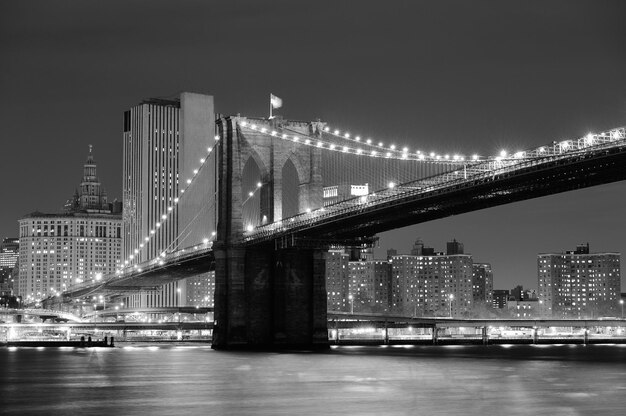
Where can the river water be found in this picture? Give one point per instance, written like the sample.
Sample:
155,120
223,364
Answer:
415,380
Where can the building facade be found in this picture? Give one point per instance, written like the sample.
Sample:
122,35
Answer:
482,284
500,298
166,144
337,282
9,252
82,244
432,285
579,284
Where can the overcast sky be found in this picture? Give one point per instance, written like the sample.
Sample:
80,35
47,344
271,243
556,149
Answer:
453,76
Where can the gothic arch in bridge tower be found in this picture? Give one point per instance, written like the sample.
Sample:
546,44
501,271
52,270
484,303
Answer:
250,196
293,192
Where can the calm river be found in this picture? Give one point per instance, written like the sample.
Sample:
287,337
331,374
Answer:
417,380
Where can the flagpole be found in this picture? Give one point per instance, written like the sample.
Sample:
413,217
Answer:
270,106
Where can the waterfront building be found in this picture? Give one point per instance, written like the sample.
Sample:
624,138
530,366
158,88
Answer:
482,284
361,284
369,284
523,308
518,293
500,298
81,244
432,285
337,282
164,142
579,284
382,286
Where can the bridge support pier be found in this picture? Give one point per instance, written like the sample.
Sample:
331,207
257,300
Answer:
270,299
485,335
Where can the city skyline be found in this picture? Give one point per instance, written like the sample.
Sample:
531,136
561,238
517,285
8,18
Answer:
436,81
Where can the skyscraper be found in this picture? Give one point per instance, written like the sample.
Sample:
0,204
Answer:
165,143
58,251
579,284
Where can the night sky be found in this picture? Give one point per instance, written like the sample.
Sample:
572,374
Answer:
450,76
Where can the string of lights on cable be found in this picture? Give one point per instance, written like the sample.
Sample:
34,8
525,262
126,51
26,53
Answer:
358,146
167,214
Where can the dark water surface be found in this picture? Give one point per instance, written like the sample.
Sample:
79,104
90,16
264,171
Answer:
195,380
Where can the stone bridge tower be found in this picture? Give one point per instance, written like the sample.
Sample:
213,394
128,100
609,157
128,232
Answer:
266,295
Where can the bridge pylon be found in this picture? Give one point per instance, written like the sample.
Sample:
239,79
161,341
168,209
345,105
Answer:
267,296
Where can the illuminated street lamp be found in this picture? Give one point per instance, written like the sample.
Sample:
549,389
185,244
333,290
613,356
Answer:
451,297
104,306
621,302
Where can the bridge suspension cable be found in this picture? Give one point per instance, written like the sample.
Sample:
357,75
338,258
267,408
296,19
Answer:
167,215
466,172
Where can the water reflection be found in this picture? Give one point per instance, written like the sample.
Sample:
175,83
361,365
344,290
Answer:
512,380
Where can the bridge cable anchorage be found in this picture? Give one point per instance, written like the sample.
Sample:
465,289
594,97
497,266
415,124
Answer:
463,173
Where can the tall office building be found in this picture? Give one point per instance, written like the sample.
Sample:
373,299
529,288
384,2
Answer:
482,284
165,143
432,285
58,251
579,284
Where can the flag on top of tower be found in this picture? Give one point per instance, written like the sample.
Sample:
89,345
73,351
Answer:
275,101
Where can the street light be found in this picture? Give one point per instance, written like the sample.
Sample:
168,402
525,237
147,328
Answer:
351,304
621,302
104,306
451,296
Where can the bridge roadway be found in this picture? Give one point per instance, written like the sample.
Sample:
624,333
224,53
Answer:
190,310
149,275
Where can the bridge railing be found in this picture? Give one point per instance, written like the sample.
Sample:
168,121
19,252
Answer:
466,173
